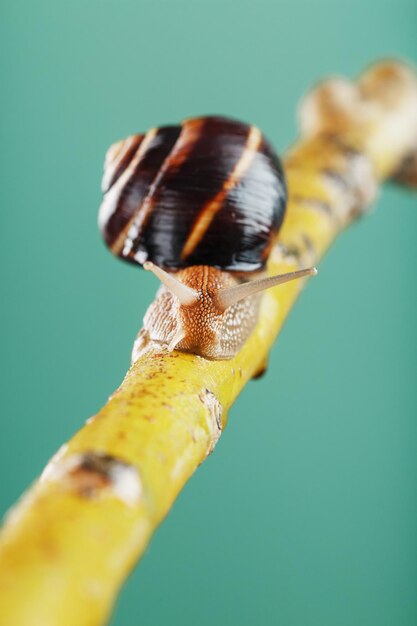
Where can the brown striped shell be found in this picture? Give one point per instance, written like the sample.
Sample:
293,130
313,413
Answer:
209,191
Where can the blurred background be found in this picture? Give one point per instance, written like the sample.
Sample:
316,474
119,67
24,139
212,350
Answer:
306,514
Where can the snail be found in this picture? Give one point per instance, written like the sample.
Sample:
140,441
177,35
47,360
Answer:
199,204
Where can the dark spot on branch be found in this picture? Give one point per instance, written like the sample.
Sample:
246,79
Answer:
91,474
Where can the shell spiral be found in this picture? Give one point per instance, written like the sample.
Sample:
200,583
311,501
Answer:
210,191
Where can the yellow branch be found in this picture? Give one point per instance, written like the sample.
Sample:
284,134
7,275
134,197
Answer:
67,546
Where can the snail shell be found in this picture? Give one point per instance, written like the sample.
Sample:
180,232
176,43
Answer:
210,191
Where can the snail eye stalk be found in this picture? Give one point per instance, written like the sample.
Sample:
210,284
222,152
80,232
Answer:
231,295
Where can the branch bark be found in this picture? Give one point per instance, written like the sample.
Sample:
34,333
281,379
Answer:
69,543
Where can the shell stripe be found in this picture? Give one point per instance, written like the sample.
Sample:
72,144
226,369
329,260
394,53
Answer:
179,153
113,197
209,211
117,158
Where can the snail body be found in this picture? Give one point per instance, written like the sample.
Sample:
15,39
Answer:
200,205
203,326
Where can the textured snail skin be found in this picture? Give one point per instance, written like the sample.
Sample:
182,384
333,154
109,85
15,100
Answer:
207,330
209,191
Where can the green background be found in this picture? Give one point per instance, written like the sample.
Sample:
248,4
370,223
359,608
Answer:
306,514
